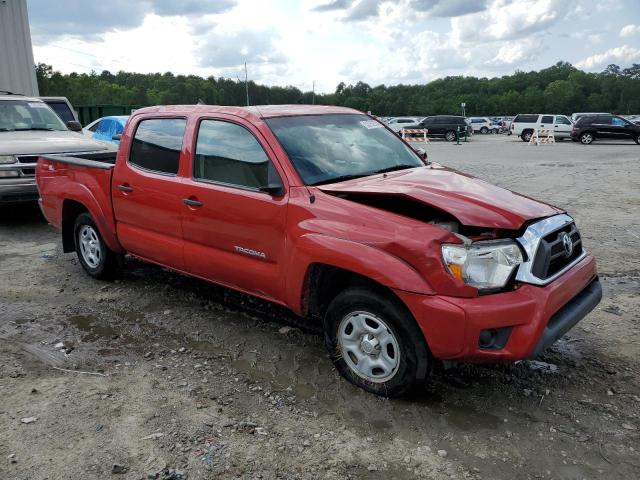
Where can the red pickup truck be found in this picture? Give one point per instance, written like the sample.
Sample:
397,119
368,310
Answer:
326,211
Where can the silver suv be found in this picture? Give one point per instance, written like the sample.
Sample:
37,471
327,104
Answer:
28,129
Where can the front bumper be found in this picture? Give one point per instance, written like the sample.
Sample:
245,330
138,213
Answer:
535,316
18,190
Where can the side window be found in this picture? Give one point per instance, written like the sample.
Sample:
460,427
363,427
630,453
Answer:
228,153
618,122
562,120
547,119
157,143
603,120
94,127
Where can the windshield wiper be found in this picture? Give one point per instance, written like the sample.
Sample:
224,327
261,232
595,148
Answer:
341,178
34,128
392,169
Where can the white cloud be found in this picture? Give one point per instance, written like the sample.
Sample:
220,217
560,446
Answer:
288,42
618,55
629,30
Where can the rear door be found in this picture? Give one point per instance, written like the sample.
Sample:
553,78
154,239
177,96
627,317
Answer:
562,127
546,122
147,195
234,232
603,126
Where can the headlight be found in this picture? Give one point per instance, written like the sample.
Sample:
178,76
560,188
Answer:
486,265
7,159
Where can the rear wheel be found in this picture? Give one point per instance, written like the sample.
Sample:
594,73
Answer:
586,138
494,130
94,255
450,136
375,343
526,135
637,139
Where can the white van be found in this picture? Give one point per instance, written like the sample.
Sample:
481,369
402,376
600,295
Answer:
524,124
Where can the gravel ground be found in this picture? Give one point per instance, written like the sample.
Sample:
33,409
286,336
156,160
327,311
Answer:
163,376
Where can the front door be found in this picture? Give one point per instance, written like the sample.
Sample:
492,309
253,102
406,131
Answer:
234,229
562,127
147,198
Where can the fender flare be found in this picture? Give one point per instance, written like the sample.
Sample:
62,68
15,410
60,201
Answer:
373,263
104,220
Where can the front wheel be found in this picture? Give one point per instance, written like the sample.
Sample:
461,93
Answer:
484,130
375,343
637,139
586,138
450,136
94,255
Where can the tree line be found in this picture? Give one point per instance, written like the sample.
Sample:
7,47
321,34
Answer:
561,88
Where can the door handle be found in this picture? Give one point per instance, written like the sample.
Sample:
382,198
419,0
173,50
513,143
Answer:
125,188
192,202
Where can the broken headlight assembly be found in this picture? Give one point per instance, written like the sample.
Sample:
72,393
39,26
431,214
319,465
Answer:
485,265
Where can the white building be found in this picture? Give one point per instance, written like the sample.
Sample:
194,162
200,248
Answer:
17,68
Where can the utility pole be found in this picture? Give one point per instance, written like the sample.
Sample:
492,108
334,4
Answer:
313,95
246,84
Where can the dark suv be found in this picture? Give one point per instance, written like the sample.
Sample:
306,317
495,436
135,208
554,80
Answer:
446,126
591,127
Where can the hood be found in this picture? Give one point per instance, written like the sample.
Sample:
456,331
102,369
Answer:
30,142
473,202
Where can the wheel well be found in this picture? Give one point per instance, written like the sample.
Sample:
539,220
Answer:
70,211
323,282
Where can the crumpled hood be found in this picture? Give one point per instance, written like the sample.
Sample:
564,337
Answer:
30,142
472,201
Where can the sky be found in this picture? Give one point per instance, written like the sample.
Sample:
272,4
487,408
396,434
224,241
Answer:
299,43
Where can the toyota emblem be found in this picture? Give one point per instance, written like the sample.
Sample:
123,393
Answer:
567,243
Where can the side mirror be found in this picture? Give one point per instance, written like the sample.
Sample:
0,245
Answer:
117,137
273,189
74,126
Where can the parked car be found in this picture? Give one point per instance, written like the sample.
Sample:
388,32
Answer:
594,127
398,123
29,128
446,126
481,124
62,107
402,261
524,125
106,128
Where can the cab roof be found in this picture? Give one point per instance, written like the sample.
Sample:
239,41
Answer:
252,112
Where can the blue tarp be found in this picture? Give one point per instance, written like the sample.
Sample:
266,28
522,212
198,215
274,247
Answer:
110,126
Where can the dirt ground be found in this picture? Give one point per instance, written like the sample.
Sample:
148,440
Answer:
162,376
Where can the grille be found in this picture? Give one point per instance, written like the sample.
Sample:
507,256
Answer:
31,171
552,256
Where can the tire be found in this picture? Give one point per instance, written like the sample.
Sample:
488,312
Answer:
637,139
450,136
94,255
364,325
586,138
484,130
494,131
526,135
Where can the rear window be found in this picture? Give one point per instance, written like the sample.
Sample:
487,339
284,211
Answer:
526,118
62,110
157,143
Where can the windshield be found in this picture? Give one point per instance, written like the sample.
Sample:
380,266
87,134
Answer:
327,148
25,115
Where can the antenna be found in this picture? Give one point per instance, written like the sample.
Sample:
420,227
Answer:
246,84
313,89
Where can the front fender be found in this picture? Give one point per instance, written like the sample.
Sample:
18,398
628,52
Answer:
364,260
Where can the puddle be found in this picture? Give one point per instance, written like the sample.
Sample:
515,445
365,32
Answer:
93,328
470,420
